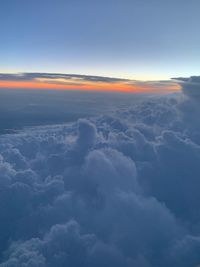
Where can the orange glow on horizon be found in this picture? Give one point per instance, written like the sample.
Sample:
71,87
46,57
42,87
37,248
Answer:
89,86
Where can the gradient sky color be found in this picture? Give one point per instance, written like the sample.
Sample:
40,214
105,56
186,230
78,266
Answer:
92,86
135,39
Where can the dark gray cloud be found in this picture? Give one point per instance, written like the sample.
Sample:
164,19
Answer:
22,108
192,79
52,76
190,86
115,190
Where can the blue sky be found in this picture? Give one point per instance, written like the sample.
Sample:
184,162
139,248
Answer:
137,39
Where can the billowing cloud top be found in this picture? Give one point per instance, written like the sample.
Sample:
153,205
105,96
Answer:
190,86
117,190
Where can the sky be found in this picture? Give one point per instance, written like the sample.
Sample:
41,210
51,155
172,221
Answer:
104,170
132,39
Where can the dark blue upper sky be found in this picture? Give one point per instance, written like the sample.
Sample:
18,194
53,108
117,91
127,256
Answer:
141,39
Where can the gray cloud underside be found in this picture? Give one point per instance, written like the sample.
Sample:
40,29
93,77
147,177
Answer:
32,76
119,190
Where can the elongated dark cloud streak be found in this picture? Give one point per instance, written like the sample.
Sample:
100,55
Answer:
33,76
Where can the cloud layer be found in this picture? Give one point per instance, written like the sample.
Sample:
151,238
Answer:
120,190
82,82
51,76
